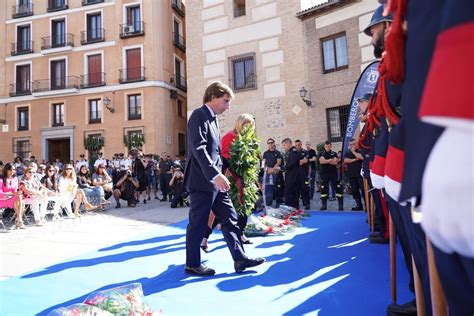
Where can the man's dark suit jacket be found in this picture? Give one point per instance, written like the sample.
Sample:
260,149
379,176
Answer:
203,155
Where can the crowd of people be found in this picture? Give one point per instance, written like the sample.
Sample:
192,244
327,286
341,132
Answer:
57,188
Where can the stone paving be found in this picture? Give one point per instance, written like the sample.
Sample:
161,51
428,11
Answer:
25,250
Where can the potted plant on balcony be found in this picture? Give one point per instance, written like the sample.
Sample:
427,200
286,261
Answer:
134,140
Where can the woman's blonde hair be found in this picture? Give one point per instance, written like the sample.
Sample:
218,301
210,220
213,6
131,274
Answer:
243,120
73,173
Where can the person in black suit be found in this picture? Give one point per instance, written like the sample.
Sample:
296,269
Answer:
207,186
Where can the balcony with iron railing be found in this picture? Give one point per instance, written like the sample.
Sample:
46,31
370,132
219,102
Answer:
92,36
23,88
132,29
22,10
58,83
20,48
178,41
61,40
93,80
178,6
131,74
57,5
243,83
180,83
89,2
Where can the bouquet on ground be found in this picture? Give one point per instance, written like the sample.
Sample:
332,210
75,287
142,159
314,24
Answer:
123,300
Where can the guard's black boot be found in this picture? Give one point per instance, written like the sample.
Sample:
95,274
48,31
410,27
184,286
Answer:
324,204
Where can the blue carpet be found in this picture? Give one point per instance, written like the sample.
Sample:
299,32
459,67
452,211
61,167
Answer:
327,267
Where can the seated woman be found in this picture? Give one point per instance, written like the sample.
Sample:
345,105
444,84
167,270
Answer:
50,182
70,192
34,194
85,184
9,195
102,179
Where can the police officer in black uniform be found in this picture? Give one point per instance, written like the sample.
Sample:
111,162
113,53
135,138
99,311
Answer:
291,174
312,156
329,160
272,162
303,174
353,160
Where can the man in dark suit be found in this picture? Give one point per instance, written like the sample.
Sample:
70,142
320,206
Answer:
207,186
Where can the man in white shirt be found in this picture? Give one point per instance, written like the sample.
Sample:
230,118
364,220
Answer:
100,160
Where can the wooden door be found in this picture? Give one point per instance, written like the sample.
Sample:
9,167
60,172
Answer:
133,64
94,64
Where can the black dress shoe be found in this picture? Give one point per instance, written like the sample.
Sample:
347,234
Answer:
205,249
405,309
201,270
241,265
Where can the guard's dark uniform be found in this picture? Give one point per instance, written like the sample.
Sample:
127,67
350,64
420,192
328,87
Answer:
292,178
304,179
329,174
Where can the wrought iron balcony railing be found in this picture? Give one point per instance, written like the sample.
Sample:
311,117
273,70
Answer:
57,5
89,2
58,83
178,41
61,40
93,80
132,29
92,36
23,88
178,6
24,47
22,10
131,74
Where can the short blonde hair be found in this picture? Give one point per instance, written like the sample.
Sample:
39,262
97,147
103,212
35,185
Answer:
243,120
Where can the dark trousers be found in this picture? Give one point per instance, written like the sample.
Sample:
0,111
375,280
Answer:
279,189
292,194
178,198
357,188
457,279
304,190
241,222
326,178
403,236
201,204
380,218
164,183
312,181
417,243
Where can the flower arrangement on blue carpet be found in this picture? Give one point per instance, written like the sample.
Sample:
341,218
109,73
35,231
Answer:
122,300
276,221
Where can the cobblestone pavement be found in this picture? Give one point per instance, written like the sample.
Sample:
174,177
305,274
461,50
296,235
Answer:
25,250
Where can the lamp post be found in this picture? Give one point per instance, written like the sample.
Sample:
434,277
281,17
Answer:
303,93
107,105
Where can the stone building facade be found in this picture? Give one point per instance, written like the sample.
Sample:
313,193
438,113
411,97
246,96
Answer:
285,49
257,48
77,73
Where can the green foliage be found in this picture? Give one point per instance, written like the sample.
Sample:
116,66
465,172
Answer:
245,161
134,140
94,143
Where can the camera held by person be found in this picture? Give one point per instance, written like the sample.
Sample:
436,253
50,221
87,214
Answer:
180,195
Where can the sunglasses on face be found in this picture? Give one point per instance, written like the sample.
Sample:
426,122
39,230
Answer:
270,143
68,168
52,170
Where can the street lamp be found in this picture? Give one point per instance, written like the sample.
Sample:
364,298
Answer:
107,105
303,93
